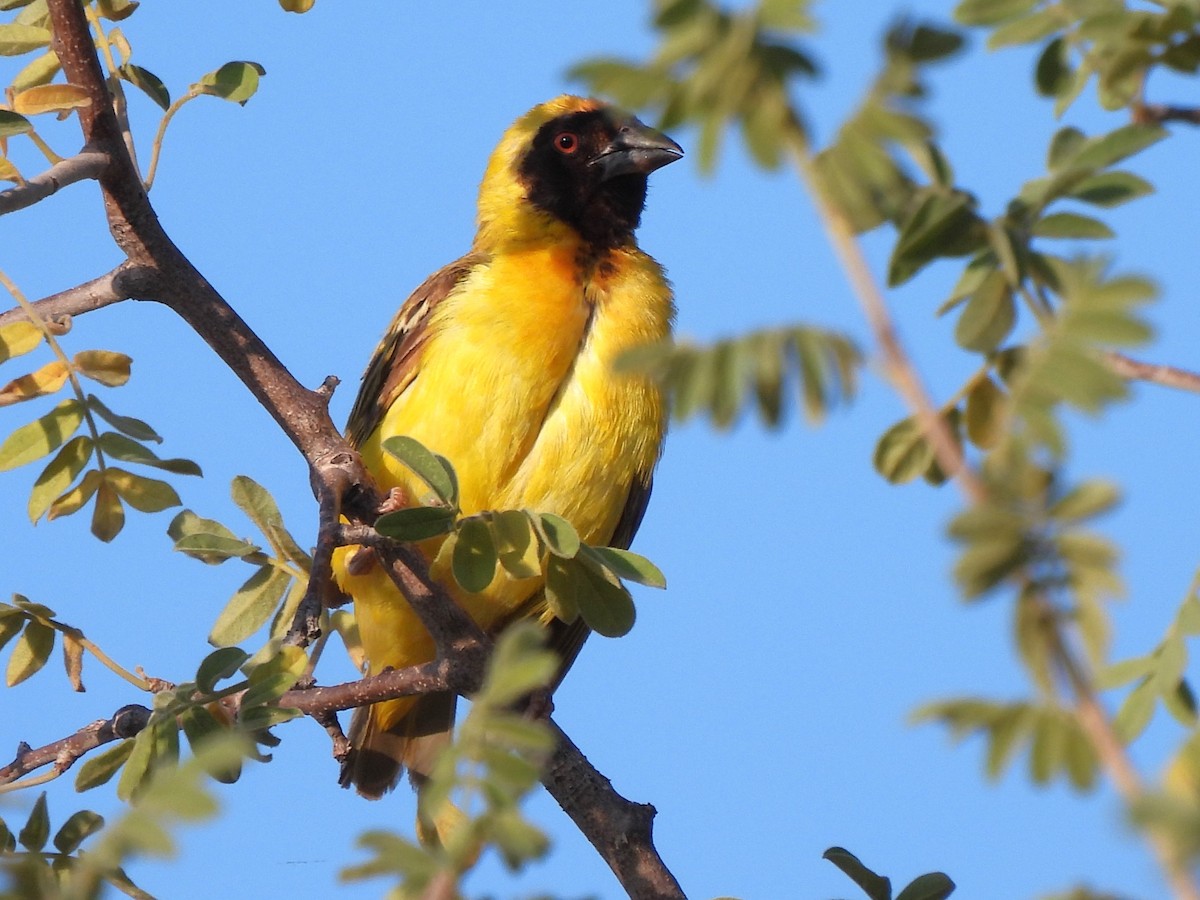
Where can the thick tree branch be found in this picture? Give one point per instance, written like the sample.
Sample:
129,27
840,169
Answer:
87,164
620,830
170,277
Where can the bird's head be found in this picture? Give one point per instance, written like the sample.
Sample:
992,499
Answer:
573,161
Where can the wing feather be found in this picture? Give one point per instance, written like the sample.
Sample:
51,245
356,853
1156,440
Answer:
396,360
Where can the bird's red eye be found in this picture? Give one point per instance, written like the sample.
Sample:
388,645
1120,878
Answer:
567,143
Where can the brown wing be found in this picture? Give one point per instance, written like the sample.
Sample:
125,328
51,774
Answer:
394,363
567,639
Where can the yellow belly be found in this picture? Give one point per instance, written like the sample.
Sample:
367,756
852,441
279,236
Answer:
515,388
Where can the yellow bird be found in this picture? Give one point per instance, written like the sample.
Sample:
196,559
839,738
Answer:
503,363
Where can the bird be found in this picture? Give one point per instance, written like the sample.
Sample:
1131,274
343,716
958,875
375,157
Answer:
503,363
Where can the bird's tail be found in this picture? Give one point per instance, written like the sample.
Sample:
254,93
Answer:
386,738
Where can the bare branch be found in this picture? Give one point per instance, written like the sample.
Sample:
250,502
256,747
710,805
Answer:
125,722
122,283
620,830
85,165
1161,113
1167,376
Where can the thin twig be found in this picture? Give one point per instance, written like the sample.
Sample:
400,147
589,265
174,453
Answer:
1112,754
114,287
1167,376
897,367
84,165
1160,113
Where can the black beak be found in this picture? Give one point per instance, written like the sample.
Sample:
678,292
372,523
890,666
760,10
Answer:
637,148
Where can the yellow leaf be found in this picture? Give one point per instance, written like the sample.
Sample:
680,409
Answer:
46,380
18,338
31,652
40,71
73,500
142,493
50,98
8,172
108,516
41,436
105,366
73,660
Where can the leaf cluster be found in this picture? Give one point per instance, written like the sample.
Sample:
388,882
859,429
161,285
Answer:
473,795
1118,45
930,886
82,471
275,588
580,580
721,379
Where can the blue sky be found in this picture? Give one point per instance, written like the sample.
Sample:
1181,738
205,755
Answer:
761,702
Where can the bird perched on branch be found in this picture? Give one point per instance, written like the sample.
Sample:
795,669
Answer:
502,362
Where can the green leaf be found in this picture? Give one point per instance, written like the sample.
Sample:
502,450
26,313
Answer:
559,534
137,765
144,494
30,652
942,225
1026,30
249,609
257,503
517,545
627,565
988,316
78,828
41,436
41,70
986,413
206,539
36,832
1136,711
234,81
1053,74
108,515
1071,225
560,588
100,768
1064,147
147,82
16,40
876,887
118,446
12,123
200,727
902,453
135,428
1086,500
416,523
222,663
431,468
607,608
474,559
58,475
930,886
273,678
1105,150
1109,189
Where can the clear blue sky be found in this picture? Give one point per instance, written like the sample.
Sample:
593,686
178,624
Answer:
760,703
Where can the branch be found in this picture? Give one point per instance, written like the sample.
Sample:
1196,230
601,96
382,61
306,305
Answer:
620,830
125,723
87,164
1160,113
169,277
1167,376
122,283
